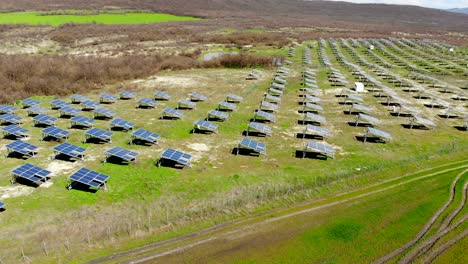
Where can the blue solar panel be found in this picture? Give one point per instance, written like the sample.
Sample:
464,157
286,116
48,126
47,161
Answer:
260,128
99,133
126,95
70,150
55,132
321,148
88,104
77,98
2,204
171,112
262,115
146,135
83,121
105,97
68,111
253,145
121,153
36,110
147,102
177,156
160,95
206,126
15,131
22,148
104,112
31,173
184,103
227,106
118,122
10,119
89,178
7,109
30,102
45,120
56,104
215,114
197,97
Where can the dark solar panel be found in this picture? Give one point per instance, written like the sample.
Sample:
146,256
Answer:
118,122
31,172
177,156
44,119
99,133
146,135
7,109
10,118
55,132
70,150
83,121
90,178
253,145
15,131
22,148
123,154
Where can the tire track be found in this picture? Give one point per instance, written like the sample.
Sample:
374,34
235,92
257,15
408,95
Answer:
444,247
426,227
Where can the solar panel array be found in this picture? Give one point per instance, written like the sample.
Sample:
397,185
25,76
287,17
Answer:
31,172
197,97
271,98
274,91
363,118
206,126
184,103
314,118
260,128
119,122
312,107
171,112
215,114
15,130
121,153
77,98
253,145
10,119
21,147
324,149
7,109
145,135
146,102
55,132
227,106
88,104
82,121
311,98
104,112
359,108
99,134
316,130
36,110
126,95
262,115
160,95
56,104
68,111
70,150
378,133
176,156
30,102
264,105
89,178
234,98
105,97
44,120
2,205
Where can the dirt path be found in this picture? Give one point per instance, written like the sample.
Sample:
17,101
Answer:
235,230
426,227
444,247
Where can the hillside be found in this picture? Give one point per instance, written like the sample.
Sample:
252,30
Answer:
266,12
459,10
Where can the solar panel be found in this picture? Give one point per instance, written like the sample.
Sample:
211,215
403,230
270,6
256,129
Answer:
171,112
30,172
126,95
88,177
44,120
259,128
367,119
206,126
146,102
22,148
278,86
268,106
378,133
184,103
421,121
262,115
30,102
145,135
36,110
312,107
104,112
77,98
54,132
176,156
311,91
68,111
2,204
7,109
118,122
70,150
121,153
197,97
355,98
81,121
108,98
15,131
311,98
253,145
316,130
56,104
227,106
99,134
10,119
280,80
359,108
160,95
88,104
271,98
324,149
274,91
314,118
234,98
215,114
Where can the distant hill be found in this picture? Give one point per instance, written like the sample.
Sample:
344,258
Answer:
279,13
459,10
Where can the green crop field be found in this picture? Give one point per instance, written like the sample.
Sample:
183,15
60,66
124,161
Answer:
40,18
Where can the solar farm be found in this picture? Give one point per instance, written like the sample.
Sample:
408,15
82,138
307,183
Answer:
170,148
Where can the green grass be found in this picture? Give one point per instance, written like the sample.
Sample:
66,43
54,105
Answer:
40,18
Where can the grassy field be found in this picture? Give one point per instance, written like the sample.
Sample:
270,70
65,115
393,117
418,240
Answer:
145,203
39,18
